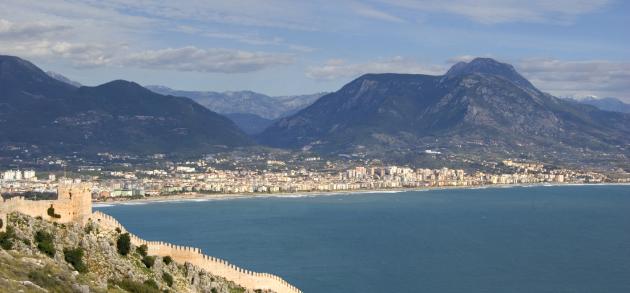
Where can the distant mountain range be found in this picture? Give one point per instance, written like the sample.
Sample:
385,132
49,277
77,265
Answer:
245,102
608,104
480,108
43,114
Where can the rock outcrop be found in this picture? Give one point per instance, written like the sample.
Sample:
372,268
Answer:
25,267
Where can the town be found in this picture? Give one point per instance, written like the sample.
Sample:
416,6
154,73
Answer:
200,177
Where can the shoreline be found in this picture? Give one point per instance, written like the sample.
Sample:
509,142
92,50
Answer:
194,196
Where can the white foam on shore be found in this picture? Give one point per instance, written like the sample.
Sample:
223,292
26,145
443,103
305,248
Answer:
102,205
217,197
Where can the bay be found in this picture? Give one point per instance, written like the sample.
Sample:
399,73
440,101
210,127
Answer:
520,239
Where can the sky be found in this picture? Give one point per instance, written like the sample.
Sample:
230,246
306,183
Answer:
284,47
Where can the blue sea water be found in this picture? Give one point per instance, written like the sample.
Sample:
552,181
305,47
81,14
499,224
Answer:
536,239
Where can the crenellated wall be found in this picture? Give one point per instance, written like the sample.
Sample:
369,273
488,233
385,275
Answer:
73,204
219,267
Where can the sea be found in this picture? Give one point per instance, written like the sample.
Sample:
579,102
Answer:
506,240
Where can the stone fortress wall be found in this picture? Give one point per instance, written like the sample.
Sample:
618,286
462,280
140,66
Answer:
219,267
74,204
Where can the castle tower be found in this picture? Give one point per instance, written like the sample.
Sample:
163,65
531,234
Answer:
77,198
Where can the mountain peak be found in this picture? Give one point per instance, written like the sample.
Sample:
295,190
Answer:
491,67
123,85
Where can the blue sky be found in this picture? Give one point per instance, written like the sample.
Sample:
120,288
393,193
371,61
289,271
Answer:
281,47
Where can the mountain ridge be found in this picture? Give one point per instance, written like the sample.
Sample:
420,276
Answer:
119,116
477,107
244,102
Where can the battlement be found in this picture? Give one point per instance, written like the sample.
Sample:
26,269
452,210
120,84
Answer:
73,204
193,255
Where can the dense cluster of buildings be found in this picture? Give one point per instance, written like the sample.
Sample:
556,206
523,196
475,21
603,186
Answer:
201,178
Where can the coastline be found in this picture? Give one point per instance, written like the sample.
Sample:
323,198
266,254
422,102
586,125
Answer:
194,196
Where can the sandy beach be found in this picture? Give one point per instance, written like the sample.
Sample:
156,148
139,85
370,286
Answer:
195,196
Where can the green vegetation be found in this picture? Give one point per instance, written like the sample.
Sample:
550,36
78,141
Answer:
168,279
51,212
6,238
148,261
237,290
47,278
142,250
167,260
45,243
123,244
75,258
149,286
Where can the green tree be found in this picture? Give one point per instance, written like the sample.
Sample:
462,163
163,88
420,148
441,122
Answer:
6,238
142,250
168,279
123,244
45,243
75,258
148,261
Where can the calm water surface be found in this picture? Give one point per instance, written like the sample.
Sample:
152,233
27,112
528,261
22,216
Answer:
536,239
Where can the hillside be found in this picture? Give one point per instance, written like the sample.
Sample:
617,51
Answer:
483,108
249,123
45,263
608,104
245,102
42,114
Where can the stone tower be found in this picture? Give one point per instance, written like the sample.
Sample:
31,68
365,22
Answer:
77,201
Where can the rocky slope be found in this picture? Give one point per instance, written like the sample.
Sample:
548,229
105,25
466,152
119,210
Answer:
42,114
25,267
483,108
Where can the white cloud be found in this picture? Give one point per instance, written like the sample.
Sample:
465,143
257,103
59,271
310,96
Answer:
370,12
79,54
568,78
10,30
205,60
337,68
501,11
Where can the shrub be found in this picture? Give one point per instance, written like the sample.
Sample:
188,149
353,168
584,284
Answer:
45,278
123,244
149,286
6,238
51,212
118,230
151,283
168,279
148,261
1,223
75,258
142,250
167,260
45,243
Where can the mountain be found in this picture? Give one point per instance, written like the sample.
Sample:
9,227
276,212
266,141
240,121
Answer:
608,104
62,78
481,108
244,102
249,123
39,112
